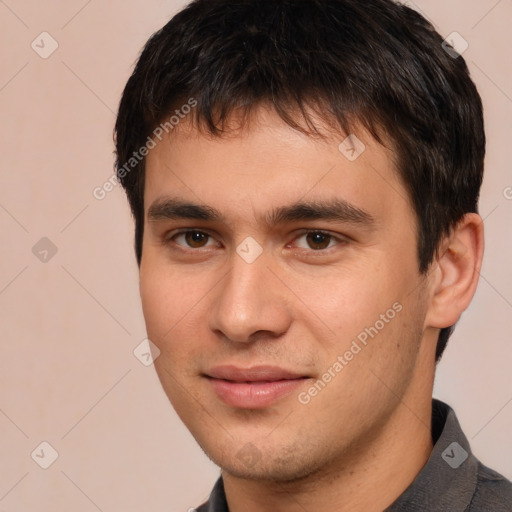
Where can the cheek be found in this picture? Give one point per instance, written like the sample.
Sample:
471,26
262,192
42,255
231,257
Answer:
155,298
173,305
164,300
372,317
345,302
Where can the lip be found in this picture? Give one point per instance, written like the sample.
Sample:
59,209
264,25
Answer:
252,374
253,388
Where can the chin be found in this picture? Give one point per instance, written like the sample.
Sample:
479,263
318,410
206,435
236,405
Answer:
249,463
271,473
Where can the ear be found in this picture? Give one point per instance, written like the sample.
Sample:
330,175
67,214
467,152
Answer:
456,271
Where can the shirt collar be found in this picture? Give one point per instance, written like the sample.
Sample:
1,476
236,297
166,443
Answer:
217,501
448,479
446,482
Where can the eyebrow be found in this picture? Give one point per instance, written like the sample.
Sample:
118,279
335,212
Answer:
170,208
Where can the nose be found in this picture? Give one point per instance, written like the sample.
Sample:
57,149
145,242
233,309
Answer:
250,300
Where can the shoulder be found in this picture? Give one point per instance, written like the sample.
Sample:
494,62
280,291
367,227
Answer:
493,491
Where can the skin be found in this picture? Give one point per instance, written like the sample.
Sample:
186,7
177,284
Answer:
361,441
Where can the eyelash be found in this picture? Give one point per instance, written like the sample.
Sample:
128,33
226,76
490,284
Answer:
171,239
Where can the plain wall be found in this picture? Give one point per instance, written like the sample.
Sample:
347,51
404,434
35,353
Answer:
69,325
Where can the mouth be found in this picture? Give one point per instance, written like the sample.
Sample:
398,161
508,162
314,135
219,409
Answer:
253,388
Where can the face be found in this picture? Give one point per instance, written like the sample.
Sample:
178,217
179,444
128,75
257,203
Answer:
279,279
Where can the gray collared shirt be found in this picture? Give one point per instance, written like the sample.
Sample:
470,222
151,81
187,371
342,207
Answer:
452,480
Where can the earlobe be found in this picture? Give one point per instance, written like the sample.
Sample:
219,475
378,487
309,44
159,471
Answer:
458,269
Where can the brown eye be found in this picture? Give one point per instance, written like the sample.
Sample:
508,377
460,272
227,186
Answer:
192,239
318,241
196,239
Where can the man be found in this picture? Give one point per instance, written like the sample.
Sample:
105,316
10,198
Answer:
304,177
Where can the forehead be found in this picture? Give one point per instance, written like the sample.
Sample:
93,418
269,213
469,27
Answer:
267,163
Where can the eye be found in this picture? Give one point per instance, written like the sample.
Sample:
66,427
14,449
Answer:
192,239
313,240
317,240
